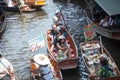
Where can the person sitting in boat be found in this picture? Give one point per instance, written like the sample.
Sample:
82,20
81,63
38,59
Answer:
6,69
54,48
105,70
63,32
105,22
57,19
53,32
35,70
44,66
64,49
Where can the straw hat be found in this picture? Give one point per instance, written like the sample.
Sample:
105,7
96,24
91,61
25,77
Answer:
41,59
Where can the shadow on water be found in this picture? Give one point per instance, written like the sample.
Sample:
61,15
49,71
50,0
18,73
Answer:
71,74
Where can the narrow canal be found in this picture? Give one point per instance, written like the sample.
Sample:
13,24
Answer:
14,43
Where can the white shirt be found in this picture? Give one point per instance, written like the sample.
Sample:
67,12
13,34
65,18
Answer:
55,19
104,23
3,67
58,20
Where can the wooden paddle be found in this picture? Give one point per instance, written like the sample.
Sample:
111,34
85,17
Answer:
12,74
9,72
63,19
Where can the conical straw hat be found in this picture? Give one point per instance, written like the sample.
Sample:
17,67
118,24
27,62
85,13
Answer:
41,59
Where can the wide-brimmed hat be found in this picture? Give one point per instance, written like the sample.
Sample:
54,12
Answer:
61,37
41,59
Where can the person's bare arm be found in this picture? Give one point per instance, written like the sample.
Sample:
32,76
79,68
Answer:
62,48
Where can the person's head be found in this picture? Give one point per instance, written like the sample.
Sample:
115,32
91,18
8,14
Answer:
106,18
62,28
103,61
41,59
61,38
57,13
54,27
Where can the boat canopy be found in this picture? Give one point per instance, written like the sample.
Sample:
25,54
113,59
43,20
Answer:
111,7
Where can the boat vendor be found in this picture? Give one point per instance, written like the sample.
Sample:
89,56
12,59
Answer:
105,22
105,70
44,66
57,19
6,69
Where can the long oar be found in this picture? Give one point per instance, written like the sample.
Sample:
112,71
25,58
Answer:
9,70
63,19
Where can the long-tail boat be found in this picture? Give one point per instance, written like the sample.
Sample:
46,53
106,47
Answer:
91,52
68,63
54,69
99,10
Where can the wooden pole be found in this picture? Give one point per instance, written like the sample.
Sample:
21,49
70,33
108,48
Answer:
63,19
101,44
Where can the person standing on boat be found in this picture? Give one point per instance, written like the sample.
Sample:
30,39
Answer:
105,70
57,19
6,69
105,22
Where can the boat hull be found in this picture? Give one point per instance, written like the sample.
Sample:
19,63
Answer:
68,63
88,60
111,34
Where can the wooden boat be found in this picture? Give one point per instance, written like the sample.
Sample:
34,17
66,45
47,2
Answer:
91,52
2,23
53,65
68,63
35,3
29,5
103,8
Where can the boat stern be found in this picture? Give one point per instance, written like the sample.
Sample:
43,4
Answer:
68,64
